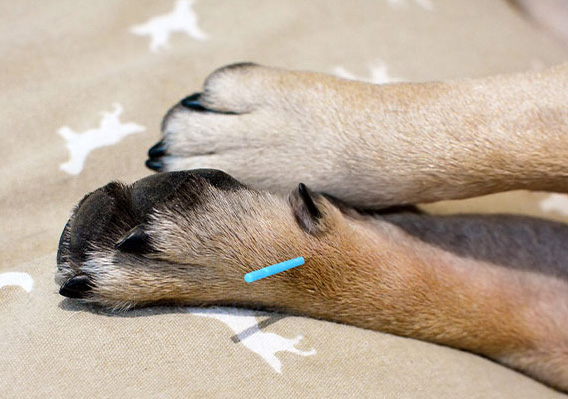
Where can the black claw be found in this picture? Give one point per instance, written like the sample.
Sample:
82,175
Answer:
192,102
134,241
154,165
306,195
157,150
76,287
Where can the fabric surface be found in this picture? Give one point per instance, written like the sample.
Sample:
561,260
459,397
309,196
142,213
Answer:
84,87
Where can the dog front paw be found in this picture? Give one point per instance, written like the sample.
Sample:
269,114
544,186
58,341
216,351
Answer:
188,238
267,127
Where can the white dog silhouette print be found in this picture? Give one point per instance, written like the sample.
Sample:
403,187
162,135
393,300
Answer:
244,324
110,132
425,4
555,203
379,74
182,19
23,280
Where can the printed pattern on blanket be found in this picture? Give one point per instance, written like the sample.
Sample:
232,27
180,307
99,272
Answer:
85,86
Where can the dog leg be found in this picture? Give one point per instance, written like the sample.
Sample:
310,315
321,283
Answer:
374,145
190,237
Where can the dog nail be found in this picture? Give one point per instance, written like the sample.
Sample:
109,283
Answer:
76,287
157,150
134,241
192,102
154,165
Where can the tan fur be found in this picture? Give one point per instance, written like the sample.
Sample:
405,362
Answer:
378,145
369,146
359,270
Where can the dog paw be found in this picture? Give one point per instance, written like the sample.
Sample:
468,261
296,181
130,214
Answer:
183,237
267,127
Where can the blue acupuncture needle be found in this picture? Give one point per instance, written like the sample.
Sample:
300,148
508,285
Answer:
271,270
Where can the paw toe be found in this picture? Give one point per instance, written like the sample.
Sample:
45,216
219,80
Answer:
236,88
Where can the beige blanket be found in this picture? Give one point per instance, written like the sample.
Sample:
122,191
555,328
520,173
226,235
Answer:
84,87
